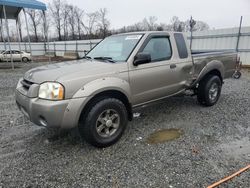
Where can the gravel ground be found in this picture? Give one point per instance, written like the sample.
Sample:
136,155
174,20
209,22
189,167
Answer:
215,143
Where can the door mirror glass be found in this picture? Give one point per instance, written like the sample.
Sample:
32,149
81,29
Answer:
142,58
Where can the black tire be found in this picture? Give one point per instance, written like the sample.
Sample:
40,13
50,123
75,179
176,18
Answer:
207,95
88,124
25,59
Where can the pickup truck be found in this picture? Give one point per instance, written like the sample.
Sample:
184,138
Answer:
98,93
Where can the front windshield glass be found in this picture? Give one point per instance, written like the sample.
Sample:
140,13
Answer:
117,48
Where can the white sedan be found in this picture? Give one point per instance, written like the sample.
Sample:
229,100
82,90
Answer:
16,55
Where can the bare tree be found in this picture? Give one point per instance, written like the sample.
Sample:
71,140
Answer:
65,15
78,18
152,25
56,8
35,19
201,26
184,26
91,22
72,20
177,25
104,23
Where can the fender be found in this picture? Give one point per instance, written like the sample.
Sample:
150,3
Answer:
104,84
210,66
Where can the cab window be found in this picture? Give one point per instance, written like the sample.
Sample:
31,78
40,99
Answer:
159,48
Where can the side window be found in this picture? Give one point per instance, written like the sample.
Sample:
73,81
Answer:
159,48
181,45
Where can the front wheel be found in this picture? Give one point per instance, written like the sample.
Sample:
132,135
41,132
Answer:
209,90
104,123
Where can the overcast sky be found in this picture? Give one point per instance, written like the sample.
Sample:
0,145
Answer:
217,13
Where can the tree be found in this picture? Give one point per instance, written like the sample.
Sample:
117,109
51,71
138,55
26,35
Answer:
79,16
149,24
65,25
72,19
91,22
177,25
103,22
201,26
56,8
35,18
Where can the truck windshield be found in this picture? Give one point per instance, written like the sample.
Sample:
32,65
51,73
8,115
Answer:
115,48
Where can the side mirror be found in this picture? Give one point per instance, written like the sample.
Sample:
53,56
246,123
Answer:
142,58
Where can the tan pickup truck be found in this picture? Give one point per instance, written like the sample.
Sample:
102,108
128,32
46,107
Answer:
99,92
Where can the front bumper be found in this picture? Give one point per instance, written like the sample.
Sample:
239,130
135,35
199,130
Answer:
63,114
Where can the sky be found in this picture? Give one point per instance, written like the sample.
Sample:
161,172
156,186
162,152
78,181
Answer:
217,13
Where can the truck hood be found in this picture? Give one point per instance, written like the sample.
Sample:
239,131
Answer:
59,71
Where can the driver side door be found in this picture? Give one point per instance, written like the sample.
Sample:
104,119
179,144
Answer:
158,78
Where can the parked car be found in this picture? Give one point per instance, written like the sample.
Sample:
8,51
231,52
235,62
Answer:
16,55
98,93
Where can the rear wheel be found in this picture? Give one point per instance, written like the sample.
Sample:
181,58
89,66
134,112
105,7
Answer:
25,59
209,90
104,123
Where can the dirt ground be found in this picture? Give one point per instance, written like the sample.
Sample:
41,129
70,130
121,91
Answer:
215,142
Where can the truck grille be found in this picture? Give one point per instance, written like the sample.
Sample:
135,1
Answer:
26,84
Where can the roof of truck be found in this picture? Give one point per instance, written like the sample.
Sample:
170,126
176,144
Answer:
148,32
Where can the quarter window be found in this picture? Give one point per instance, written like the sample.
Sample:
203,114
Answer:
159,48
181,45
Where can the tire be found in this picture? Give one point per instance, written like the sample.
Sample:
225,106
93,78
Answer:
104,123
25,59
209,90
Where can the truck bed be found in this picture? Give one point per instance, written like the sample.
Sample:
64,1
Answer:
227,57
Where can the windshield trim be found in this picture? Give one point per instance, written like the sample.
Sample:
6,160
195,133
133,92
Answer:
142,35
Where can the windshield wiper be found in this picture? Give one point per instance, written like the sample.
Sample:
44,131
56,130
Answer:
105,59
86,57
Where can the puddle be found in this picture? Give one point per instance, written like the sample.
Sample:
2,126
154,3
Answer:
164,135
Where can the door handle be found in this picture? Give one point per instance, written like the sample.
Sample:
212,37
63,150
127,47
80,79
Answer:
172,66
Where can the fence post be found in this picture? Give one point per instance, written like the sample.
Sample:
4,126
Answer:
45,48
77,49
25,46
65,47
239,34
191,24
54,48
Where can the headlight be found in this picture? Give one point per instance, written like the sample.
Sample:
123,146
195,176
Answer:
51,91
